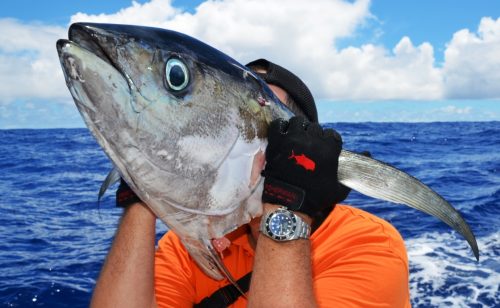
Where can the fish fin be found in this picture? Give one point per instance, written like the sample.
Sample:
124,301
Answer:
222,268
382,181
112,177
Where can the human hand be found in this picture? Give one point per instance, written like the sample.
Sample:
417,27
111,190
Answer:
301,166
125,196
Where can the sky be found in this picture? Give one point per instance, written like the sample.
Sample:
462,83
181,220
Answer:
364,60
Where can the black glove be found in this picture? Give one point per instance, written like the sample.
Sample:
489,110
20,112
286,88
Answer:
125,196
301,166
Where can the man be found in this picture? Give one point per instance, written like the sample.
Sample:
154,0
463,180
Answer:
351,259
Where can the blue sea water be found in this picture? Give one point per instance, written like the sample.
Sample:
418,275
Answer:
54,237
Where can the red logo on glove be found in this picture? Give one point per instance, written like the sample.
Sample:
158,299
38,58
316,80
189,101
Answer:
303,161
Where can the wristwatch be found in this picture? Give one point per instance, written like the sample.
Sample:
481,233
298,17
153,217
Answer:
284,225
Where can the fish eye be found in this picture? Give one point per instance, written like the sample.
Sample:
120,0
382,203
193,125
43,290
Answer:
177,75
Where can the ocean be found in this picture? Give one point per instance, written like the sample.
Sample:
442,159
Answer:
54,236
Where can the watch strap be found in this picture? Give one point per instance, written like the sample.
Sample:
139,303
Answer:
303,228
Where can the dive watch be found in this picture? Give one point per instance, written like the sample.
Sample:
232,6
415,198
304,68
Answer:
284,225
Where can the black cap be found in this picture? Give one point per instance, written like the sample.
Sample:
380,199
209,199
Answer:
289,82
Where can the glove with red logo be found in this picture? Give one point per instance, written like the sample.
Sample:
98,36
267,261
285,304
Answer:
301,166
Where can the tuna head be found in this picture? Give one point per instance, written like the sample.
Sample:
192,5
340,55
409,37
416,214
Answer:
183,123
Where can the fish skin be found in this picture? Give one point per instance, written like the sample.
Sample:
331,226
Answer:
187,155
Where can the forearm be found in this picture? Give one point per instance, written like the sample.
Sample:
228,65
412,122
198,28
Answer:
282,274
127,277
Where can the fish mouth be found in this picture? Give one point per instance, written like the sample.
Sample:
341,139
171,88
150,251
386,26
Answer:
92,78
82,38
99,88
85,37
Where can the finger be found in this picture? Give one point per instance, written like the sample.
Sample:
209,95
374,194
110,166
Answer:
331,133
314,129
343,192
278,126
297,124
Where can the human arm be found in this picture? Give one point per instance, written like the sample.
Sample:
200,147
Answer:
301,174
127,277
282,273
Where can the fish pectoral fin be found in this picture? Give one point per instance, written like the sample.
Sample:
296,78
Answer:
112,177
379,180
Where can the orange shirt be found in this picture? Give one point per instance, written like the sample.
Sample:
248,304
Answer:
359,260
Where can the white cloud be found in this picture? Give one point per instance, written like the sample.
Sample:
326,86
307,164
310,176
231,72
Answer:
472,62
29,67
291,32
302,37
153,13
450,109
296,34
371,72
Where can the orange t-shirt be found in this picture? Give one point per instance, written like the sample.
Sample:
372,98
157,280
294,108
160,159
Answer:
359,260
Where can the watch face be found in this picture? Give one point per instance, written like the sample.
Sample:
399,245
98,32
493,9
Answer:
281,225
